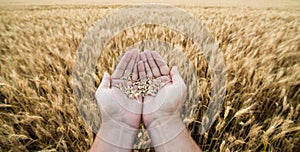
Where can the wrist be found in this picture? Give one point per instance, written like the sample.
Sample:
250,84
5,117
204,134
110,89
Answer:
117,134
165,129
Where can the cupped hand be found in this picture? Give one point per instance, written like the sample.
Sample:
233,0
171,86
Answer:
115,106
160,112
170,97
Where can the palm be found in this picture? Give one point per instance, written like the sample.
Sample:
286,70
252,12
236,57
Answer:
114,107
165,104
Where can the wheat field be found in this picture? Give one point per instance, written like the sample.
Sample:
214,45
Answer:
261,48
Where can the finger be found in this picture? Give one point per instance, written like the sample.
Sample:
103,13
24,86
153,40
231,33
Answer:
130,66
178,81
147,67
152,64
175,76
163,80
163,67
122,65
135,73
106,80
141,69
119,83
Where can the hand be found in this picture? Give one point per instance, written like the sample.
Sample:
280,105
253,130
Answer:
119,114
114,104
161,113
169,98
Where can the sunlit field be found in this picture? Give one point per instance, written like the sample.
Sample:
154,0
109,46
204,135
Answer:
261,48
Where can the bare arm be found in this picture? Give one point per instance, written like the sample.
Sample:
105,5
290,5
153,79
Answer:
100,145
183,142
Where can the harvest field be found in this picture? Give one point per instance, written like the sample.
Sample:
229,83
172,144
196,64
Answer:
261,48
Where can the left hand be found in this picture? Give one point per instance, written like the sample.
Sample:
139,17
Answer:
115,106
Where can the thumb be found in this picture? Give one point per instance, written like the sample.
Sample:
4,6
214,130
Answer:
178,81
175,75
105,83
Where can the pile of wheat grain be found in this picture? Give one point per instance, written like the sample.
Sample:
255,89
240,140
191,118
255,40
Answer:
261,52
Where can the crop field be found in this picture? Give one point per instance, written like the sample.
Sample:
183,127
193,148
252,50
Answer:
261,48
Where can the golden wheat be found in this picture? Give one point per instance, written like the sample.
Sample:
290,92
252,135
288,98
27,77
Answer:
261,50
